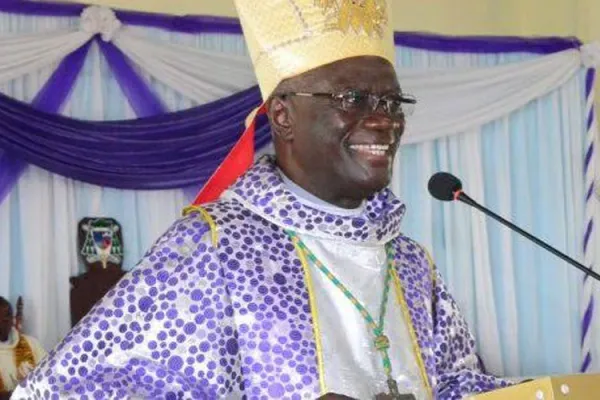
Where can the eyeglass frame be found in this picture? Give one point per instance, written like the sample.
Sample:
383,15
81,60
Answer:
374,99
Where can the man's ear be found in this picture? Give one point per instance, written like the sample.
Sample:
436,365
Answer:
281,116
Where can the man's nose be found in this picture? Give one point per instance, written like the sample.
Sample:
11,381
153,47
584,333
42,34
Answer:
381,121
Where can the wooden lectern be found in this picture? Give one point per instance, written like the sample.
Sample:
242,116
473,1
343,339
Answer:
565,387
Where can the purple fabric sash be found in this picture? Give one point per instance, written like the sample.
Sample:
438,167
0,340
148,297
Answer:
50,98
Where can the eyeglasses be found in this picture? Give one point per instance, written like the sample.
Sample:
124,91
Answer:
394,104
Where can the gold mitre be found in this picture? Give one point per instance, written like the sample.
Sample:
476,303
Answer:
286,38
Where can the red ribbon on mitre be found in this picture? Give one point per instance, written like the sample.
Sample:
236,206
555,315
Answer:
239,159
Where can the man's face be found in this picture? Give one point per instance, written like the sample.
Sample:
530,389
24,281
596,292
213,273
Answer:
346,152
6,322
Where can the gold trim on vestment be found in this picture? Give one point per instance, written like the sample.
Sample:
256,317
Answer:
314,314
209,220
413,335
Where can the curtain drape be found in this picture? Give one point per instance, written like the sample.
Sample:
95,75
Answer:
74,149
522,302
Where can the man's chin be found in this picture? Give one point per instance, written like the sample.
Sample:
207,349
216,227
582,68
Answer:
365,179
371,186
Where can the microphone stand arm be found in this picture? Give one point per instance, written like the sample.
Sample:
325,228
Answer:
461,196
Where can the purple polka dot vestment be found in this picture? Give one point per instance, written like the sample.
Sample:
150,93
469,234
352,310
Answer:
199,321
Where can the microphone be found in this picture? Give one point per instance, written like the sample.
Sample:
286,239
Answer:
446,187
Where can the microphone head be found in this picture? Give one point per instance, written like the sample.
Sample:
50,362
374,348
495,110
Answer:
443,185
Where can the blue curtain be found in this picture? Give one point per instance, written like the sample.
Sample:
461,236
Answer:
528,168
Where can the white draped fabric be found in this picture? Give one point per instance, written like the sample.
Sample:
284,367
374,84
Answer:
507,125
22,55
192,72
481,94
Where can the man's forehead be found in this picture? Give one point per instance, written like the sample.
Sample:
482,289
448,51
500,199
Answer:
369,73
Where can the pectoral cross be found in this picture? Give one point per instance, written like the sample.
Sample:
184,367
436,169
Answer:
395,393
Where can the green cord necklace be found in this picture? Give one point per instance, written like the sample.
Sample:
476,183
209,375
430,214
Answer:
381,341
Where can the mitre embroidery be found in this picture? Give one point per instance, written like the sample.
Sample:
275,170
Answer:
368,16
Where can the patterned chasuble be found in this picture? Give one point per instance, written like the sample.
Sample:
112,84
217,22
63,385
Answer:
219,308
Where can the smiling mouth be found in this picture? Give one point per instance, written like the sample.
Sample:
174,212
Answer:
378,150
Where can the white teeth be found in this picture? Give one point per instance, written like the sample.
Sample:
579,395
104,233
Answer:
375,149
370,146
